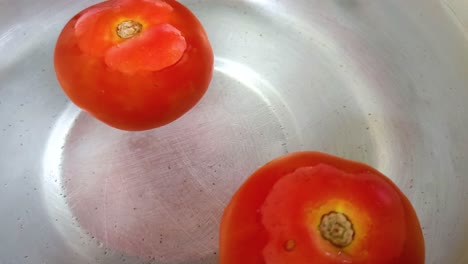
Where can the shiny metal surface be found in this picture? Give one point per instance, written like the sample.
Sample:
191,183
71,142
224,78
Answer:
382,82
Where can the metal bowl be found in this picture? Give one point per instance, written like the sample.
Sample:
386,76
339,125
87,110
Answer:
382,82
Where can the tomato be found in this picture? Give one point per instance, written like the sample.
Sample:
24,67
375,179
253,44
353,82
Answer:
311,207
134,64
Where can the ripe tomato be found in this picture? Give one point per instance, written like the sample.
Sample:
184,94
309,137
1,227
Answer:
310,207
134,64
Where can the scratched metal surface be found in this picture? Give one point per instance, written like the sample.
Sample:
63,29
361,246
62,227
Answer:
383,82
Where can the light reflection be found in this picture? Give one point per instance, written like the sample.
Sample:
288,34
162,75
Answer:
244,75
267,92
54,195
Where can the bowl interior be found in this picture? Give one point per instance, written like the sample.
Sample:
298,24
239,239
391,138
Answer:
382,82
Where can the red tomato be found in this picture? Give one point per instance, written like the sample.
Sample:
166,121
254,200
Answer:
310,207
134,64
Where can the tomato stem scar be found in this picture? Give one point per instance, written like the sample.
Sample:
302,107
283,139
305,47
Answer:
128,29
337,228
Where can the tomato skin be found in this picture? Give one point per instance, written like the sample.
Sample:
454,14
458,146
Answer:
244,237
120,84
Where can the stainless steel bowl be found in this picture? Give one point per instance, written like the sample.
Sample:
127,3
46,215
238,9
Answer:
382,82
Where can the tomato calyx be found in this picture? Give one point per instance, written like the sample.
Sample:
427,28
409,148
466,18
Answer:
128,29
130,39
337,229
154,49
